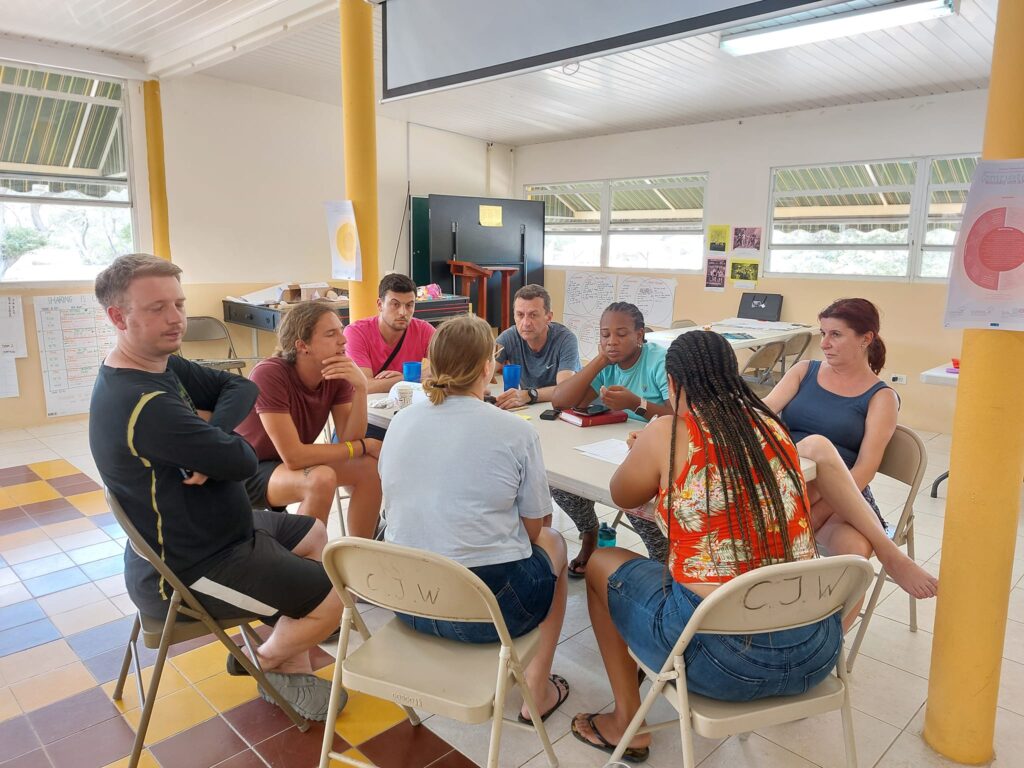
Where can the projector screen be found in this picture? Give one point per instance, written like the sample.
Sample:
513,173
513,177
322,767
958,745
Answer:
435,44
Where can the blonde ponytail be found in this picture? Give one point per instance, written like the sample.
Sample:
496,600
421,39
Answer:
459,351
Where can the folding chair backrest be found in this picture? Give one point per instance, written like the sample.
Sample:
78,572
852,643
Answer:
142,548
206,328
411,581
905,458
765,358
781,596
796,346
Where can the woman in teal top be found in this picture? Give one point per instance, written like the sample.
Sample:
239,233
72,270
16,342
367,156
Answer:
626,374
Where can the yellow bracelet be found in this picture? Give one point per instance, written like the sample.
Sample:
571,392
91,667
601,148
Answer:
351,450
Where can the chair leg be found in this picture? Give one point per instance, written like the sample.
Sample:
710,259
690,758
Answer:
531,707
326,752
498,717
657,686
158,669
847,713
129,655
910,554
865,618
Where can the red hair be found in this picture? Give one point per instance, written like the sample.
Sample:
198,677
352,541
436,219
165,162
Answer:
862,316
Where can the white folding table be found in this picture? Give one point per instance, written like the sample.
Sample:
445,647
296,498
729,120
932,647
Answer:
761,332
941,376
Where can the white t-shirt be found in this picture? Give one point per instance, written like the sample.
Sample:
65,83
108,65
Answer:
457,478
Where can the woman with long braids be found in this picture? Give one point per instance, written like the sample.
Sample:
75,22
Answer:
840,404
626,374
732,498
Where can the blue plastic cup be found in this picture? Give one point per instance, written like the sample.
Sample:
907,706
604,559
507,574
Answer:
412,371
512,374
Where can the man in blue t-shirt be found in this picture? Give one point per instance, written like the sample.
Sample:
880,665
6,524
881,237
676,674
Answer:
549,354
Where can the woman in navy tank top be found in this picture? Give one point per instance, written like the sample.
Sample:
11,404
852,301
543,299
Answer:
840,404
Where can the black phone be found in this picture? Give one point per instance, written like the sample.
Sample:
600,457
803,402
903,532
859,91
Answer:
550,414
595,408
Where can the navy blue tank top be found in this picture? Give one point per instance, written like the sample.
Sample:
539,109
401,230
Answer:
816,411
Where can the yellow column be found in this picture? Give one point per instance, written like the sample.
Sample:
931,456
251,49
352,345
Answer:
986,467
359,121
157,174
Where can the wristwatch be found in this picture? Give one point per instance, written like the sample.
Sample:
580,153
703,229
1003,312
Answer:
641,410
534,396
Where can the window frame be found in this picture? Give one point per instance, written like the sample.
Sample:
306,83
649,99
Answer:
61,174
605,224
917,218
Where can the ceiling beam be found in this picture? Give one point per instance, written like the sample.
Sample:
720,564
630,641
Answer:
65,56
239,37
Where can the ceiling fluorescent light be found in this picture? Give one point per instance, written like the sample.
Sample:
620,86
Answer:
837,25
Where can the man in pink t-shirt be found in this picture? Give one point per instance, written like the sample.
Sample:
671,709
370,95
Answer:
308,379
380,345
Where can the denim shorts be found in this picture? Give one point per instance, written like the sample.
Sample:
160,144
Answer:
524,590
650,610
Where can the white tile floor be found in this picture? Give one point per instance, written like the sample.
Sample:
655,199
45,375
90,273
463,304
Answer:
890,680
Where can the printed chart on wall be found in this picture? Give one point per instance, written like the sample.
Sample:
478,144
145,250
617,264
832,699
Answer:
74,337
588,293
986,278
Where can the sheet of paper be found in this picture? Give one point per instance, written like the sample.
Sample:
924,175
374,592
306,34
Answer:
613,451
74,337
12,324
586,296
8,373
654,296
270,295
343,237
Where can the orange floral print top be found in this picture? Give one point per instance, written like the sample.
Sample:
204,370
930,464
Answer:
701,547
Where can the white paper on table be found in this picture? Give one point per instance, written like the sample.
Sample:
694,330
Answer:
761,325
8,373
12,324
613,451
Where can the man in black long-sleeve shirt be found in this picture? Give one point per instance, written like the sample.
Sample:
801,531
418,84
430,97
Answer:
161,430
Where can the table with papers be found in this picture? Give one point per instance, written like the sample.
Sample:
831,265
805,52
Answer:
742,333
579,460
943,376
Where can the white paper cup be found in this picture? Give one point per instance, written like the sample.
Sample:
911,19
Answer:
404,396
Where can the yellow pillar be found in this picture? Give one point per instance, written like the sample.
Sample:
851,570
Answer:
157,174
986,467
359,120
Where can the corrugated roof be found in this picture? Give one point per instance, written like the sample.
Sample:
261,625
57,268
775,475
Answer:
83,135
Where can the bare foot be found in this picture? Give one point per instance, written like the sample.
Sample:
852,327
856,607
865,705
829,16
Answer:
911,577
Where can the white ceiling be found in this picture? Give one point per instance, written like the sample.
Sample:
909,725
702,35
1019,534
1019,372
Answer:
292,46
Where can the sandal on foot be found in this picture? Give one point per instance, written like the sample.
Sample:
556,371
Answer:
235,668
577,570
309,695
631,755
562,686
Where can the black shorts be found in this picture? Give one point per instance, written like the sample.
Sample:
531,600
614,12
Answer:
263,577
256,486
260,577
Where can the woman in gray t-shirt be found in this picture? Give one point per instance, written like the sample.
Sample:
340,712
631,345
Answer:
466,480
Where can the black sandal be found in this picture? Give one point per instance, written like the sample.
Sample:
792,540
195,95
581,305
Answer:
562,686
631,755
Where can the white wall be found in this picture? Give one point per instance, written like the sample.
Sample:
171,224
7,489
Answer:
248,170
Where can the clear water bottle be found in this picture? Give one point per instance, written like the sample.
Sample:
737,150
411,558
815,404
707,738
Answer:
605,536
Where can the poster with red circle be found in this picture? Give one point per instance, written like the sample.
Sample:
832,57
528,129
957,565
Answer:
986,280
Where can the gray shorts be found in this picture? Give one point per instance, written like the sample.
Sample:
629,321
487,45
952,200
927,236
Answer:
256,486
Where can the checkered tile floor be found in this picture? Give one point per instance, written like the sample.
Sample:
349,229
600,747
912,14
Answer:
64,621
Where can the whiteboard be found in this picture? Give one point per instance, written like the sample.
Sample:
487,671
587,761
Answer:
434,44
588,293
74,337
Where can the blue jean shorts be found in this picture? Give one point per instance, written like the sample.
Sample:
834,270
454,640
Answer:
524,590
650,610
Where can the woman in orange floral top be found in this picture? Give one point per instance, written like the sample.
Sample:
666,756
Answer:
737,502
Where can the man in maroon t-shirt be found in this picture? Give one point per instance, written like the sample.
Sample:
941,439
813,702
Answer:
309,378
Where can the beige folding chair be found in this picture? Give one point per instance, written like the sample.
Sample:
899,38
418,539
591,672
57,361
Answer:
203,328
186,620
466,682
757,371
905,459
339,494
683,323
794,351
772,598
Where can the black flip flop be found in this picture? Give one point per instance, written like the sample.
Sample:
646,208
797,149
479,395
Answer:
235,668
631,755
579,572
562,686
